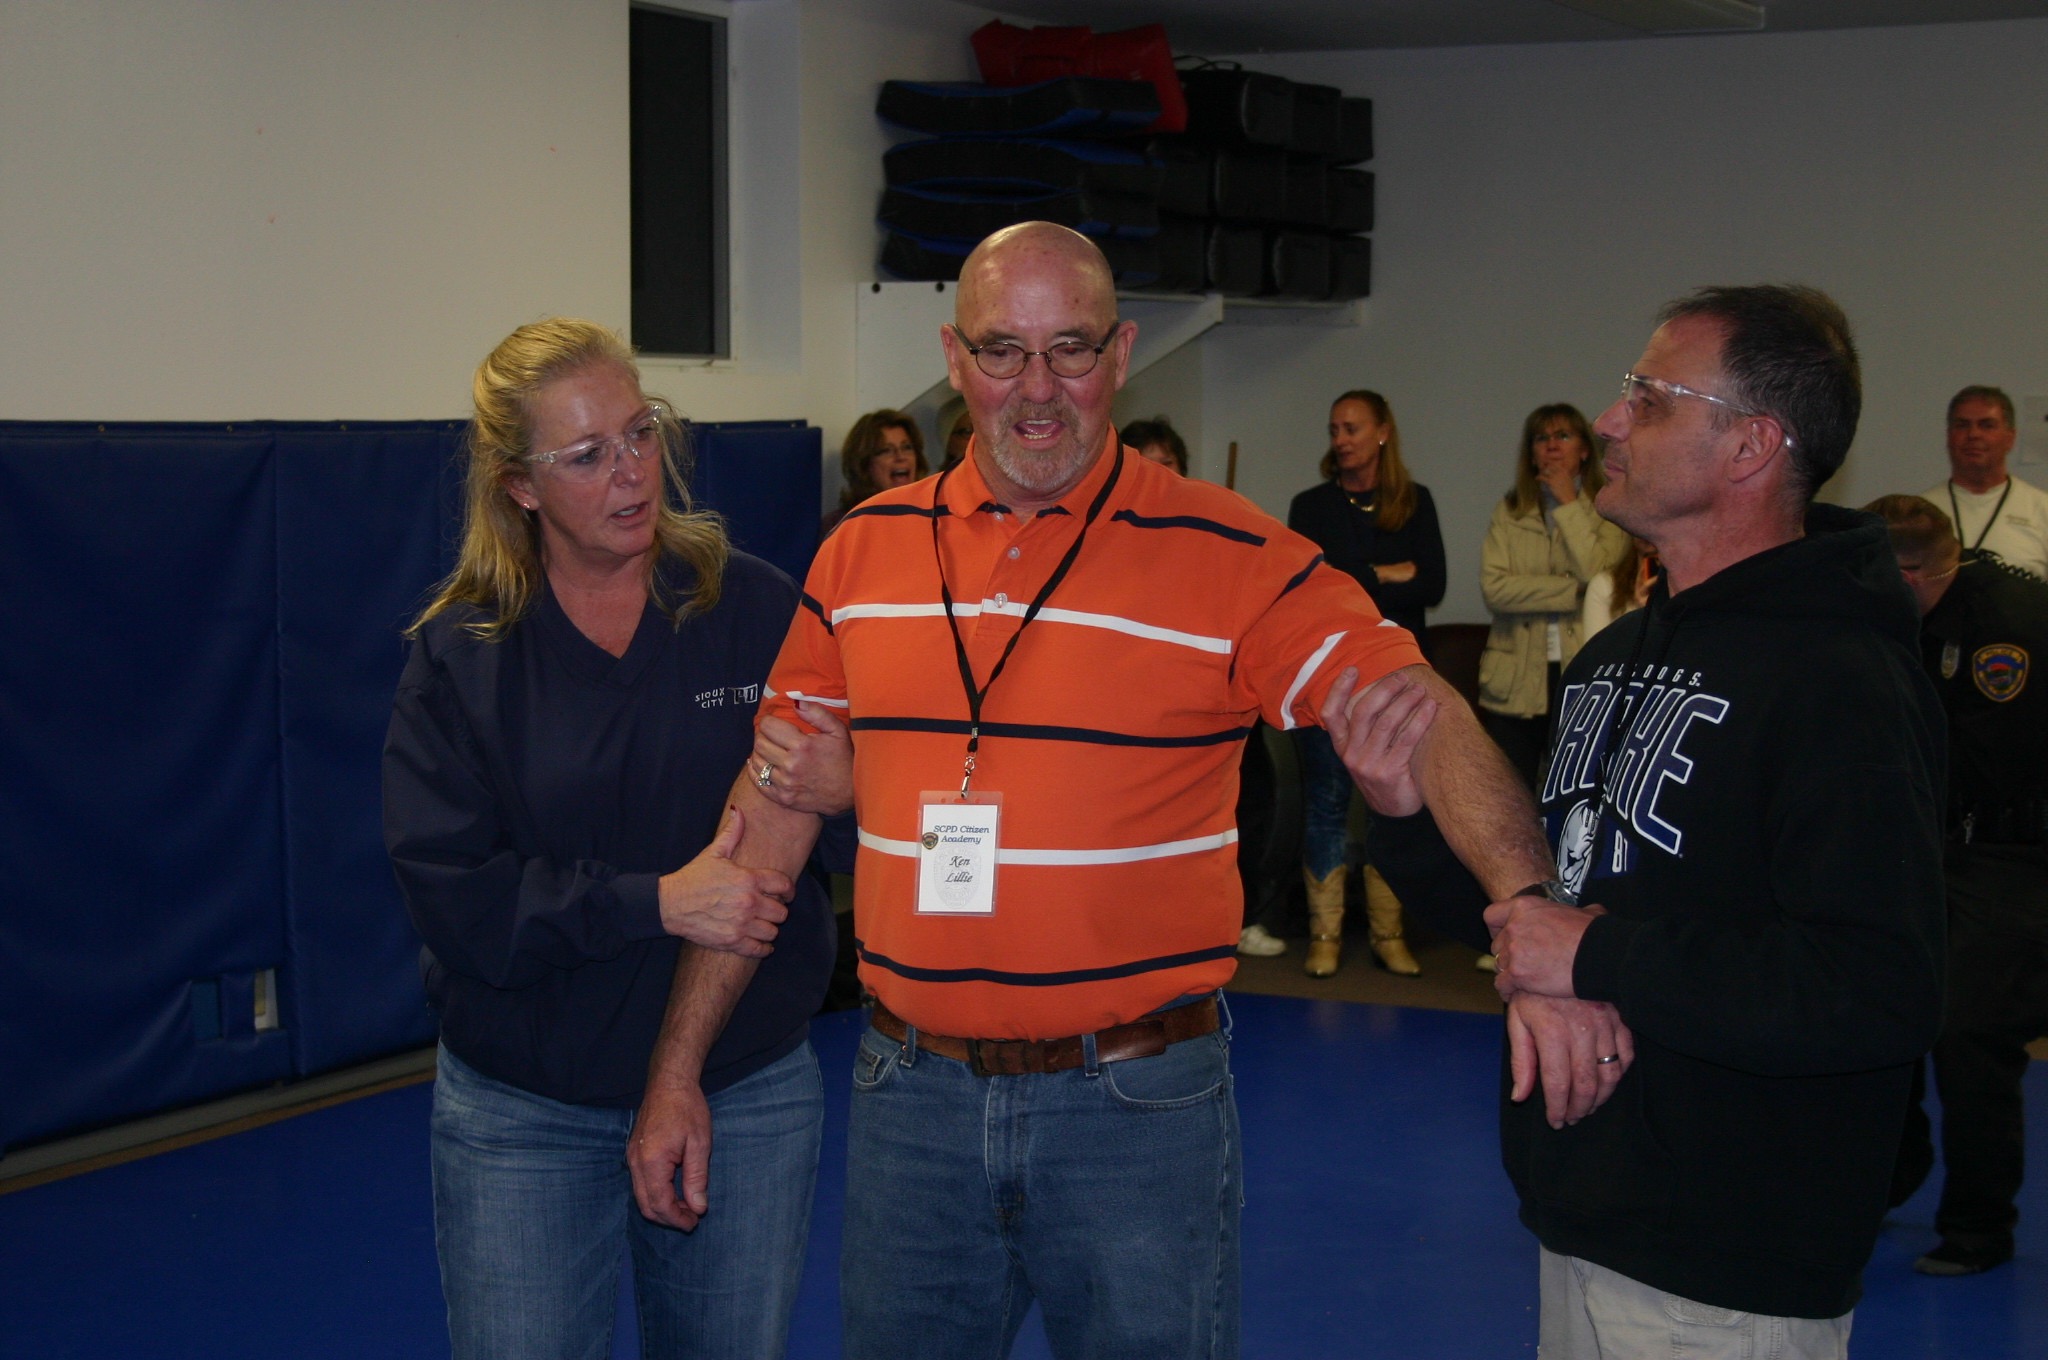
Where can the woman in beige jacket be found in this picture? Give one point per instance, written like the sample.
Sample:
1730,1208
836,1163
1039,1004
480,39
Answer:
1545,543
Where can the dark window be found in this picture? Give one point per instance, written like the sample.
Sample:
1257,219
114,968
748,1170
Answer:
678,165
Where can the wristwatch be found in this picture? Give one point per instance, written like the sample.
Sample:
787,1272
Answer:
1552,888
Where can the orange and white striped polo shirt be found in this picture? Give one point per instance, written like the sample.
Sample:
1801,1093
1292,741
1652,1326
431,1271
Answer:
1113,733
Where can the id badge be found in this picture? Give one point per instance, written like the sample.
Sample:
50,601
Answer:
957,849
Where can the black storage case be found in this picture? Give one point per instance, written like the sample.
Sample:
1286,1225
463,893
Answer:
1350,267
1318,121
1236,260
1307,200
1183,255
1351,200
1298,266
1239,108
1249,184
1354,132
1188,173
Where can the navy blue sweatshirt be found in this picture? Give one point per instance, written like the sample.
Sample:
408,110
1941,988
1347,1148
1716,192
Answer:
1353,542
535,790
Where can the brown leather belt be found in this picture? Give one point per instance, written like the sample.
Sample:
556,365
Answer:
1143,1038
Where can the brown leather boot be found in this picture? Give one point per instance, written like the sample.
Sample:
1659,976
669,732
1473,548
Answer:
1383,918
1325,921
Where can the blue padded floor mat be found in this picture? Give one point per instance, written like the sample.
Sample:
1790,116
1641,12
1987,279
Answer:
1377,1223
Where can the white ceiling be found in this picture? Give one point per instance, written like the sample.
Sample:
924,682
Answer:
1211,26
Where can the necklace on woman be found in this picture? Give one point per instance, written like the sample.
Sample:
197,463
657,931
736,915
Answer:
1367,501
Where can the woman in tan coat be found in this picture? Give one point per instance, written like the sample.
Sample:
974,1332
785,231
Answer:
1545,543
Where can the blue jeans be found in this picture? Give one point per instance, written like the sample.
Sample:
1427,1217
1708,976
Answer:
1109,1193
533,1208
1325,799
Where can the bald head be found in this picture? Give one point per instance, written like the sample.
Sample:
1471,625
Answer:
1036,254
1034,287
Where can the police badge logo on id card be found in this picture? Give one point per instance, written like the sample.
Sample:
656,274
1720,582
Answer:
957,849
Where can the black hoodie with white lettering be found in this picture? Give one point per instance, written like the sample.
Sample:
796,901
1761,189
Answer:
1764,832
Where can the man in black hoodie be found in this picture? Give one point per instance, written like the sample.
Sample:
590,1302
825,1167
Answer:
1744,791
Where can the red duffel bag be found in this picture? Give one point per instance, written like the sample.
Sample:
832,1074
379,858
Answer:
1009,55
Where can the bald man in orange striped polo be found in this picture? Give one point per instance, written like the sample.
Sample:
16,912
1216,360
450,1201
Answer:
1045,663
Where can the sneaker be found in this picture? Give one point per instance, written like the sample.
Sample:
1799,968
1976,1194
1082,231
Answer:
1951,1258
1259,943
1486,963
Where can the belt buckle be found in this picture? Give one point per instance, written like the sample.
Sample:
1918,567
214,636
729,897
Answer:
1009,1055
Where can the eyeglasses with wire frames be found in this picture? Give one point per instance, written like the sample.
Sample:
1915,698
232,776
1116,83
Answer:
1004,359
593,459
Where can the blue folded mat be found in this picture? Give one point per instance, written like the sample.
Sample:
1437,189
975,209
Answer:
1071,106
1135,264
1020,166
941,214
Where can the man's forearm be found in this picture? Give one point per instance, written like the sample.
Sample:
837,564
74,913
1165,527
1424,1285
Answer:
708,982
672,1133
1480,805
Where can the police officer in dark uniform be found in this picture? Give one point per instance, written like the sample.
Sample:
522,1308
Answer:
1984,627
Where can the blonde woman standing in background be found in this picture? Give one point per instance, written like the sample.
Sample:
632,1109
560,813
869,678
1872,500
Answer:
1378,525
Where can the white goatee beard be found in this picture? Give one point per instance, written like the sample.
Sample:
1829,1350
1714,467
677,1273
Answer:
1038,472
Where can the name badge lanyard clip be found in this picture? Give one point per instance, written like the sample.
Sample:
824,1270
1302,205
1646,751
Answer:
977,693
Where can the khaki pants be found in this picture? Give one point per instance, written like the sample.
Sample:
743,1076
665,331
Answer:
1593,1313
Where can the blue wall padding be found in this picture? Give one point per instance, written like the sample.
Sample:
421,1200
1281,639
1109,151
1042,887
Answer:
199,637
762,475
367,533
138,764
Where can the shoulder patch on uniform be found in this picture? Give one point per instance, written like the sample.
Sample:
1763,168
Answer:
2000,671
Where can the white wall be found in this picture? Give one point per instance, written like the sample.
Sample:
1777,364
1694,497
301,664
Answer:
232,209
1537,204
245,209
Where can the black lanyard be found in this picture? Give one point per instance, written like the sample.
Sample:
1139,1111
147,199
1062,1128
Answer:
977,693
1956,510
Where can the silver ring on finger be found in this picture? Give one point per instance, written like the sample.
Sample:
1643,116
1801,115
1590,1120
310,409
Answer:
1610,1058
765,777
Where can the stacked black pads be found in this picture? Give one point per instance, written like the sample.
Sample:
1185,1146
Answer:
1260,188
1252,200
1057,151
